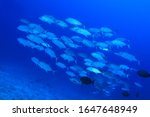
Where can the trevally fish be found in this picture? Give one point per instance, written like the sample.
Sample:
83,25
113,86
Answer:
127,56
98,55
26,42
73,22
66,39
75,81
41,64
70,73
88,43
24,28
98,64
35,28
61,23
138,84
51,53
61,65
35,39
102,46
77,39
105,30
48,19
83,73
67,57
59,44
115,69
30,44
72,45
81,31
94,70
118,43
51,36
76,68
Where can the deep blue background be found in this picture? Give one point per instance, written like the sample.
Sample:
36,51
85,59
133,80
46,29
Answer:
128,18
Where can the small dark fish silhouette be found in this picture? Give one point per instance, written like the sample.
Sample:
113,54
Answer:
143,73
137,94
86,80
125,93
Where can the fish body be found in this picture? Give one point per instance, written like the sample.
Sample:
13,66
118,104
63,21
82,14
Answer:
73,22
94,70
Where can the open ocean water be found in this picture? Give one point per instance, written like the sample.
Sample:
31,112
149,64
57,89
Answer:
21,78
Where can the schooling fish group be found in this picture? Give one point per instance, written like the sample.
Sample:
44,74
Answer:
83,54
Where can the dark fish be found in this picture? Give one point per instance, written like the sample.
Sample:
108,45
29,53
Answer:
143,73
86,80
125,93
137,94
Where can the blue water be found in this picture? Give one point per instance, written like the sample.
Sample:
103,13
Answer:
20,79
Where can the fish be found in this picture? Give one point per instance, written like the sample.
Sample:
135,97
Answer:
70,73
88,43
98,55
30,44
61,65
83,73
109,35
46,45
35,39
35,60
61,23
48,19
41,64
118,43
105,30
125,93
73,21
35,28
115,69
81,31
24,28
66,39
102,46
94,30
88,62
51,36
86,80
26,42
72,45
51,53
93,70
77,39
125,67
76,68
119,73
67,57
39,47
143,73
127,56
69,42
98,64
59,44
138,84
70,52
25,21
75,81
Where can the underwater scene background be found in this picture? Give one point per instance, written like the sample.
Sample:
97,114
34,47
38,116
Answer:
27,71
